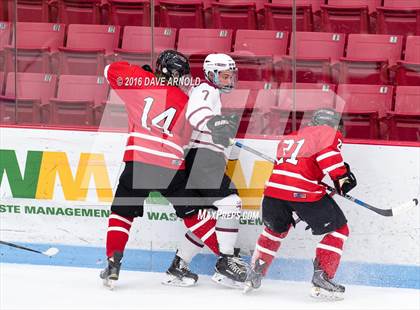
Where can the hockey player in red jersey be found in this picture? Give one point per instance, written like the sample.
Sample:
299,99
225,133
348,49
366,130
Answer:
158,130
303,159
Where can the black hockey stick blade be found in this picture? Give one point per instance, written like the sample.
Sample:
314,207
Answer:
49,252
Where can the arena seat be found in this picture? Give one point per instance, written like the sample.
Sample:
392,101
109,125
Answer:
111,113
255,51
77,97
78,11
5,35
35,42
278,15
86,48
130,12
137,43
404,121
408,72
347,16
234,15
369,57
399,17
363,107
33,91
28,10
182,14
315,53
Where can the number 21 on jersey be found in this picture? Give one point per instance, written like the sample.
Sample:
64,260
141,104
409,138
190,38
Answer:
166,117
291,147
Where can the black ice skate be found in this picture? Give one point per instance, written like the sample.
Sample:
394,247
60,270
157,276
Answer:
178,274
323,287
230,271
255,275
111,273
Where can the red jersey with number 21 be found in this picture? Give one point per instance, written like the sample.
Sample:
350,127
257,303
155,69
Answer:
303,159
158,129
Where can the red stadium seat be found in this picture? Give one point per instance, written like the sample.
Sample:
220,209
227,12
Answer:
369,57
204,41
278,15
35,41
362,107
182,14
198,43
347,16
399,17
314,55
86,48
404,121
29,10
40,35
255,51
235,15
137,43
79,11
129,12
304,99
409,70
33,90
77,97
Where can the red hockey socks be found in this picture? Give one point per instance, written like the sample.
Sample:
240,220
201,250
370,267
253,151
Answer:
204,229
267,245
118,232
329,250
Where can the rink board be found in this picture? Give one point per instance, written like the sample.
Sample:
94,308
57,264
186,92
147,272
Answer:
47,199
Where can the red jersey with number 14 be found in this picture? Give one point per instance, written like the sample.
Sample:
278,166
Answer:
303,159
158,129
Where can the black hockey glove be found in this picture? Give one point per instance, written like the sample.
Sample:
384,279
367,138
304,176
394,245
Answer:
345,183
223,128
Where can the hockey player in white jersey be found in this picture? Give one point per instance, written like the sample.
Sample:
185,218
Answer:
208,187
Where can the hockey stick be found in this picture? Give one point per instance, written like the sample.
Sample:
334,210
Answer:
384,212
49,252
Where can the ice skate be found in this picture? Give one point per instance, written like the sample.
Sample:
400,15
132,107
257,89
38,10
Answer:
254,277
230,271
111,273
178,274
324,288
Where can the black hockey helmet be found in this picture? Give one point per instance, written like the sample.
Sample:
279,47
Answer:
327,116
172,64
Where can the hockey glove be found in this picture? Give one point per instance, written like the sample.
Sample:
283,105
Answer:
345,183
223,128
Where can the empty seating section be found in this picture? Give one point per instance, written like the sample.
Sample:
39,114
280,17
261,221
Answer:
136,44
369,58
361,57
255,51
404,121
25,96
314,55
86,48
399,17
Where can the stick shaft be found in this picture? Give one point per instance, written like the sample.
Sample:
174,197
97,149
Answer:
20,247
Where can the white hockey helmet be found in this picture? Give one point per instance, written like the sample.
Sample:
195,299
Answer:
216,63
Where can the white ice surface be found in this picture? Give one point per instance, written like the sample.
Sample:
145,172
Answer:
46,287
